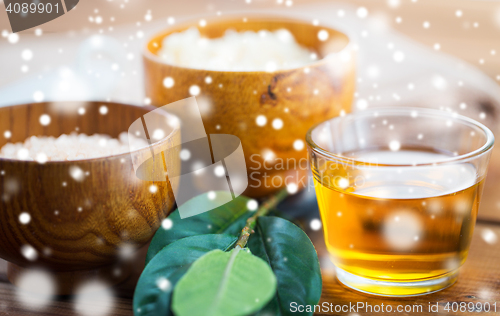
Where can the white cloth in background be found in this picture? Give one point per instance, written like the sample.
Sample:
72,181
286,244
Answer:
393,70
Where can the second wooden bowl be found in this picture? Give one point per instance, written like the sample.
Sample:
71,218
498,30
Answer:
231,101
79,227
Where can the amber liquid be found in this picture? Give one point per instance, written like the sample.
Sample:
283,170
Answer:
405,223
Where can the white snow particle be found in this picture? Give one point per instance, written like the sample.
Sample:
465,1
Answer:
277,123
163,284
94,299
292,188
13,38
211,195
271,66
398,56
194,90
315,224
158,134
153,188
29,252
103,109
185,154
361,104
489,236
44,119
362,12
261,120
38,96
439,82
168,82
323,35
219,171
41,158
298,145
167,223
35,289
27,54
268,154
76,173
252,205
394,145
401,228
343,183
393,3
24,218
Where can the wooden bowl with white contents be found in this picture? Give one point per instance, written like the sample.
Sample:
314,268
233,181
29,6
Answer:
295,98
78,227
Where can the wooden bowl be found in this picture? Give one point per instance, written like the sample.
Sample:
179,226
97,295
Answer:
231,102
86,227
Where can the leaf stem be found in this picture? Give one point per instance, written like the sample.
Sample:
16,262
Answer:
268,205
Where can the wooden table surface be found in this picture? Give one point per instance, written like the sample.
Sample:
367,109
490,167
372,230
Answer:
479,281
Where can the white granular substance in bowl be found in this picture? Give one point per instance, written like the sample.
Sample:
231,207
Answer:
235,51
71,147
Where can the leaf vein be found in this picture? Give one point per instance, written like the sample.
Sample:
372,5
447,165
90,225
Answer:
225,278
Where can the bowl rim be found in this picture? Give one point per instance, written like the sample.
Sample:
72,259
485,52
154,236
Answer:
148,108
485,148
349,47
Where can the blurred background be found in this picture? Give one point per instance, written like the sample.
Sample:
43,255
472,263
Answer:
467,29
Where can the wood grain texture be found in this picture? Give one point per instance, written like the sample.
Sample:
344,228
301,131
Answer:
78,224
233,100
478,282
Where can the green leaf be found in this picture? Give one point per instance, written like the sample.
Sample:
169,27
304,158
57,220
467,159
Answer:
153,292
224,284
291,255
227,219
